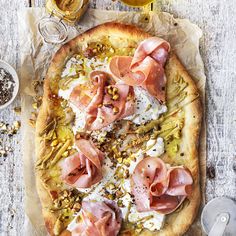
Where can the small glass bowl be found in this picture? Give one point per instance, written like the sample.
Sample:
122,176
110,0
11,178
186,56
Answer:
14,75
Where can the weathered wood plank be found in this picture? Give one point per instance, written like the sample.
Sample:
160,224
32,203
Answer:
11,179
38,3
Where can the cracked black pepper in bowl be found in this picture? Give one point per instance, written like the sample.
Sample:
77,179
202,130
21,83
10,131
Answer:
7,84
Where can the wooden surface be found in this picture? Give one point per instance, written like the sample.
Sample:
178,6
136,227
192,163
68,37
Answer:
218,47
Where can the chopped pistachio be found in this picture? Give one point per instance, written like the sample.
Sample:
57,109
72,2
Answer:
110,91
115,110
139,225
115,97
110,196
101,120
77,206
120,203
17,110
65,154
112,50
54,143
64,103
111,186
126,162
57,203
129,97
65,193
16,124
35,105
126,174
119,193
115,90
54,136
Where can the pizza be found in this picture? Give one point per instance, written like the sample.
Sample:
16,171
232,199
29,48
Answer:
117,137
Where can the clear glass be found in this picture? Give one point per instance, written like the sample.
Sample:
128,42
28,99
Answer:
52,30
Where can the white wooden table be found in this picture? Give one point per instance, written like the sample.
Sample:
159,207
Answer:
218,47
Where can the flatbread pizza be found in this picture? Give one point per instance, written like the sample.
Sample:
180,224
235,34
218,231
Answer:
117,137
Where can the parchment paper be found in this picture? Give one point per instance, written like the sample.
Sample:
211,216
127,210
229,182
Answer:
35,58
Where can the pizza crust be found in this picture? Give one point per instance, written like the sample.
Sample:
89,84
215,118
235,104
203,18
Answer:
177,223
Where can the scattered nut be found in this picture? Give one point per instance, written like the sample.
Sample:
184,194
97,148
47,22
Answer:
65,154
35,105
111,186
119,193
120,203
110,91
115,110
115,97
54,143
17,110
115,90
16,124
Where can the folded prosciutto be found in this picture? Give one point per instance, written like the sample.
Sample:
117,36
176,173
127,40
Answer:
145,68
158,187
98,219
104,101
83,168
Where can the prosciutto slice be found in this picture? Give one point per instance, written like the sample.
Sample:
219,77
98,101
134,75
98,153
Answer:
84,168
145,68
105,113
99,105
157,187
98,219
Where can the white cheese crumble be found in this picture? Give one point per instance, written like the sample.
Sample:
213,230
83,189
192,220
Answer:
147,107
155,147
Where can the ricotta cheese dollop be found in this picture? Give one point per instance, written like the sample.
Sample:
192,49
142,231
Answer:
155,147
147,107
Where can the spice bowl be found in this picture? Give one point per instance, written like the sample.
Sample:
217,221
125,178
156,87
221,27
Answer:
8,73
